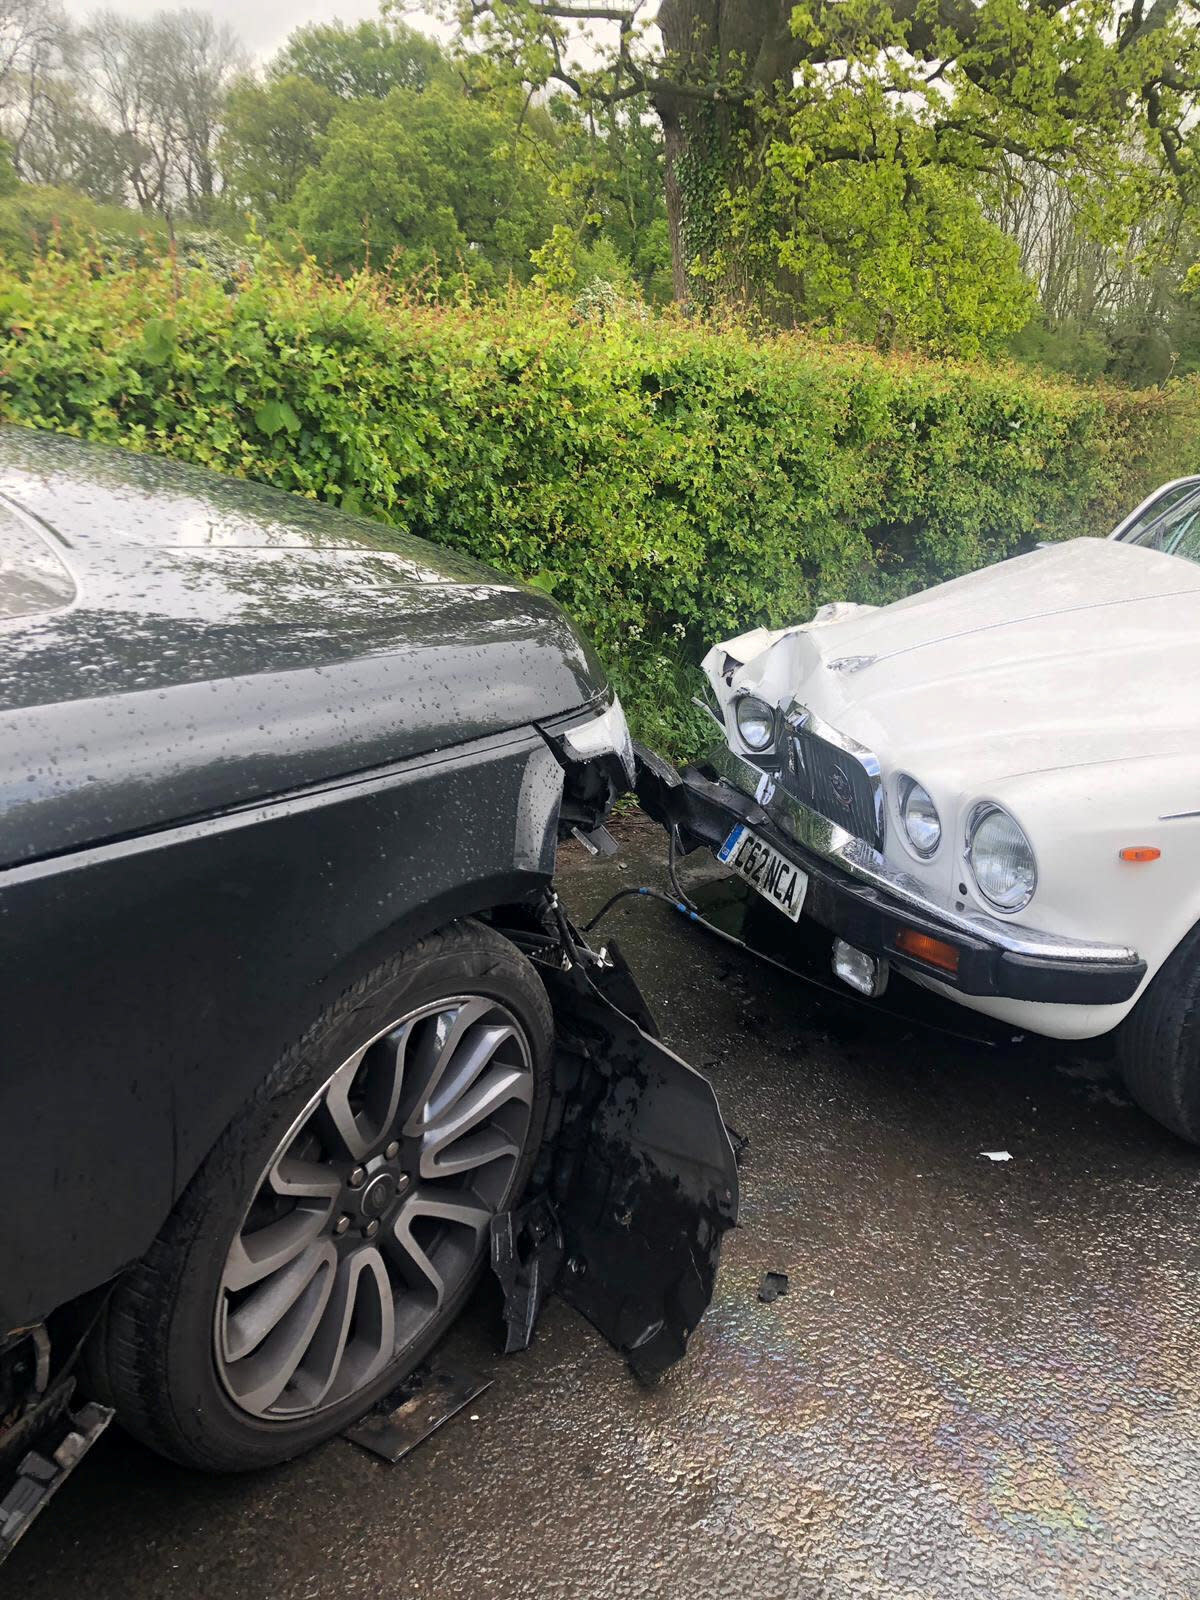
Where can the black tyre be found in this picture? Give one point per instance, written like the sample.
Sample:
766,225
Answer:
337,1228
1158,1044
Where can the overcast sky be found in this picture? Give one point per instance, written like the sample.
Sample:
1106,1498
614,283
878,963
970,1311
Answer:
263,25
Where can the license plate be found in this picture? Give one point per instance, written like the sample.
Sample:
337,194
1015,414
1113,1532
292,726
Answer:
764,869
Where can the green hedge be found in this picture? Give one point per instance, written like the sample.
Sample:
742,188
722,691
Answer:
670,484
37,218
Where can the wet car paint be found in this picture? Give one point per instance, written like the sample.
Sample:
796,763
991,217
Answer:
222,939
228,641
982,1381
256,750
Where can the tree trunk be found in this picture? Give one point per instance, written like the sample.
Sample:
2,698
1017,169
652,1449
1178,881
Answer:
703,41
674,141
688,29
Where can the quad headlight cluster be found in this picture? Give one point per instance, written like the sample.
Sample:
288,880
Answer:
998,853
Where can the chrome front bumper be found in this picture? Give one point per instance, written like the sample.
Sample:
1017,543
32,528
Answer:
858,896
832,843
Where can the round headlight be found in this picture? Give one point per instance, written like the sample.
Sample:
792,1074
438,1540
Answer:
920,818
756,723
1001,858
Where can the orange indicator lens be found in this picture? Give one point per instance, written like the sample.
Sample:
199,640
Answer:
934,952
1140,852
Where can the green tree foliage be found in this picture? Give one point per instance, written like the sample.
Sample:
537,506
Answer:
784,128
272,137
956,176
365,61
159,114
670,484
865,248
1105,305
607,175
425,180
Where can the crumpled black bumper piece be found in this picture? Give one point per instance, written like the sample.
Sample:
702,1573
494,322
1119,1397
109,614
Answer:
639,1169
703,811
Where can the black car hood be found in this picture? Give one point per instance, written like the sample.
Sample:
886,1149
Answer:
227,643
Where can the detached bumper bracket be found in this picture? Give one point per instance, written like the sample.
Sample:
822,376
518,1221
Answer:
41,1473
527,1253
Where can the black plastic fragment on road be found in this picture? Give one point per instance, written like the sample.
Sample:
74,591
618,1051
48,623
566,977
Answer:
527,1252
772,1286
740,1143
410,1413
636,1163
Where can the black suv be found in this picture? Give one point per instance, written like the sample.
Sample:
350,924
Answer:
282,792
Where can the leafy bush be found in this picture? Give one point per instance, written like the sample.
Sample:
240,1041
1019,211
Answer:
670,484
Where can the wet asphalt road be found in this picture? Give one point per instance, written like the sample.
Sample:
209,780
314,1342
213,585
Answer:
982,1381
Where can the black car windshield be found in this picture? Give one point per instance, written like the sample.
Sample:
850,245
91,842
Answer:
1175,529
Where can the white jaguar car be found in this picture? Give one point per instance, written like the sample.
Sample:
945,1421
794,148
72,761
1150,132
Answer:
992,788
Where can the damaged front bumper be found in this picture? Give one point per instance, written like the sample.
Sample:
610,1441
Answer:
855,898
637,1180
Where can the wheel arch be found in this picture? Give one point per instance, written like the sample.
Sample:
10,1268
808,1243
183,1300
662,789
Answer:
1182,922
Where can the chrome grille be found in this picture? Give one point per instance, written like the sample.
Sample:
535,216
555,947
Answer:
839,781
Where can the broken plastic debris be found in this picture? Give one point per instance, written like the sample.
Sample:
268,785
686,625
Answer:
39,1476
527,1251
772,1286
414,1410
996,1155
739,1141
644,1182
599,842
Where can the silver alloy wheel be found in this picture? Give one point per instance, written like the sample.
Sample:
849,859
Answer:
374,1207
